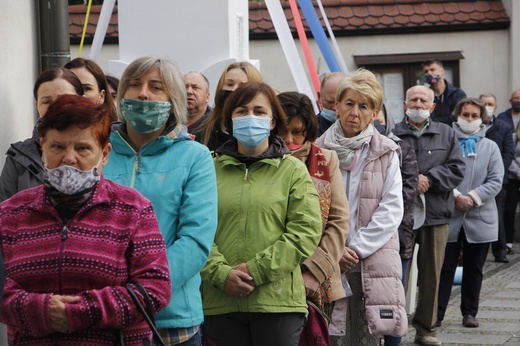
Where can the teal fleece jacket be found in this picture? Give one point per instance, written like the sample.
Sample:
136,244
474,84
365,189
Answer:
178,176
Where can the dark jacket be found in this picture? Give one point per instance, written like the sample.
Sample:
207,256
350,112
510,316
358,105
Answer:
410,177
440,160
445,104
23,167
323,124
501,133
507,117
216,140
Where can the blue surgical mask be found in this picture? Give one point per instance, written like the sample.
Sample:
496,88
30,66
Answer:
251,130
145,116
328,114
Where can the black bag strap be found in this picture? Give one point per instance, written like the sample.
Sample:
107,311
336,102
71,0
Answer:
147,313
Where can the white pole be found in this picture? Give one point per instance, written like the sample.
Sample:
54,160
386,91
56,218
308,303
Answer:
289,48
101,28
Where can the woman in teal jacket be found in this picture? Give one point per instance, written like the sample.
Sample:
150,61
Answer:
269,223
153,154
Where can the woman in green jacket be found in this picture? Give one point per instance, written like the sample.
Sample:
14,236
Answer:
269,222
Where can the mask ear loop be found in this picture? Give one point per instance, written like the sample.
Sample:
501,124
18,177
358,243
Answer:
96,169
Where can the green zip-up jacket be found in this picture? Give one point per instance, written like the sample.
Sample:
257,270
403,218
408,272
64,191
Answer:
268,217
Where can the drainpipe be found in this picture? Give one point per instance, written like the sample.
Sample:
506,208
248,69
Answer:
54,33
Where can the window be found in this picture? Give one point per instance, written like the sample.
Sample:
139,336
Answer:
398,72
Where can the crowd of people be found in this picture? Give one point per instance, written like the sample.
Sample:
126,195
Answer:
239,219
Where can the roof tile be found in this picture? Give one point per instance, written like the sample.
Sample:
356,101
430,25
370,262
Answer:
478,16
405,10
345,11
432,18
447,18
415,19
421,9
436,8
482,6
451,7
402,20
376,11
372,21
361,11
467,7
346,15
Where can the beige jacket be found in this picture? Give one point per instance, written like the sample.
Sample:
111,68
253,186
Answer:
324,262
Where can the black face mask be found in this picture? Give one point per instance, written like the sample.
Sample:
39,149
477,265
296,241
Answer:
515,106
223,96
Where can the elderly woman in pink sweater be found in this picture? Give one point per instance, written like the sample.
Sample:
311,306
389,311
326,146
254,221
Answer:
73,245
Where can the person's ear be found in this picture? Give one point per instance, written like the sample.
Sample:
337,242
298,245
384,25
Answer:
106,152
101,98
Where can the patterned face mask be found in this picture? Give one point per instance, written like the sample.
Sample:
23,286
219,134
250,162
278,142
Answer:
145,116
71,180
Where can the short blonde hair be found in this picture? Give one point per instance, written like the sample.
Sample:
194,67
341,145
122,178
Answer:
364,82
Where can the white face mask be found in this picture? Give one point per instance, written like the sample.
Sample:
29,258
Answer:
489,112
418,115
469,127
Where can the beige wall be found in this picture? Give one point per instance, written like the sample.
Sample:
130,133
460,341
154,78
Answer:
18,70
484,69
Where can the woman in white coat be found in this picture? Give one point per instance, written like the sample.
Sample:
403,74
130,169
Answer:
474,223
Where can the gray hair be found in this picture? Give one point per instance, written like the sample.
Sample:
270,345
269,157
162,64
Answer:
171,77
430,91
206,81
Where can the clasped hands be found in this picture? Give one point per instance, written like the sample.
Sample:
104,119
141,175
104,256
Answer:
239,282
464,202
58,312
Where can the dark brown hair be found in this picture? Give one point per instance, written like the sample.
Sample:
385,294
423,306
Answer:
298,105
54,73
100,78
244,94
74,110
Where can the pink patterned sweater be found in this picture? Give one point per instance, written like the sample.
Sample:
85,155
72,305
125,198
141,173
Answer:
114,239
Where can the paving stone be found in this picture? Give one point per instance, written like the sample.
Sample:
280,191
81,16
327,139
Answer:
499,314
515,284
508,294
484,326
473,339
501,303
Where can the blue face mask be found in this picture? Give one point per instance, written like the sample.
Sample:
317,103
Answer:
328,114
251,130
380,127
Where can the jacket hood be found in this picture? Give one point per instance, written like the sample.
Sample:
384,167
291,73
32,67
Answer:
122,144
276,149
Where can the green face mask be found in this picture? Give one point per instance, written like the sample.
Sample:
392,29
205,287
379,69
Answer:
145,116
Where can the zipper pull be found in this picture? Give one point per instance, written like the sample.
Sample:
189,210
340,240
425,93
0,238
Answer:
64,233
245,175
136,163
